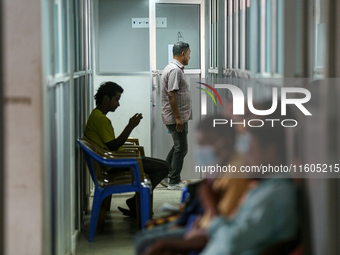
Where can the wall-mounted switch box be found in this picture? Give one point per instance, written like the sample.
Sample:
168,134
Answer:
144,22
140,22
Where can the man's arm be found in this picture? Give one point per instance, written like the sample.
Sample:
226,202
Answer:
173,103
121,139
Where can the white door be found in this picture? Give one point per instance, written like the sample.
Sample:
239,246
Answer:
170,22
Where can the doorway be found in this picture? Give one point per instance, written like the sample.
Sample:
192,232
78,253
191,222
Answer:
170,22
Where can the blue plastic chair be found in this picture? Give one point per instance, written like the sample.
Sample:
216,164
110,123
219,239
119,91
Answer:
129,181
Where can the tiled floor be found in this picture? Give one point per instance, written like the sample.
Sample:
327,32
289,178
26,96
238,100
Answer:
117,237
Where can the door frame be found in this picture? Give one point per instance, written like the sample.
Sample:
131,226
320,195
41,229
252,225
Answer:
155,74
152,31
1,138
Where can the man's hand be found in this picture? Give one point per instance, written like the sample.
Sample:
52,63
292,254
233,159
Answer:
179,124
121,139
135,119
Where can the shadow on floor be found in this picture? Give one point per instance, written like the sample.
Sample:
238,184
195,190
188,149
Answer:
117,236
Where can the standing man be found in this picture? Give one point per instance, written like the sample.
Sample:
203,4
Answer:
176,110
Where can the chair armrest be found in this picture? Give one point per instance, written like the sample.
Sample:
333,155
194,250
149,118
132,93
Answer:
121,154
110,154
111,158
130,162
133,140
135,147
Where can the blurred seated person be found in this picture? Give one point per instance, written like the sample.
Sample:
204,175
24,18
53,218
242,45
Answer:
216,146
100,131
267,214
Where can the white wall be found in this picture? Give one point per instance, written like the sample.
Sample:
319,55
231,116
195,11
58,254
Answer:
135,99
23,127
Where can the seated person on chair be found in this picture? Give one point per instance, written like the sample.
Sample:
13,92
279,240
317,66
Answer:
215,145
99,130
267,215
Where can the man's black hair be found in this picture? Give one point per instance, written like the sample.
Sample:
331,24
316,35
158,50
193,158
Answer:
222,131
109,89
180,47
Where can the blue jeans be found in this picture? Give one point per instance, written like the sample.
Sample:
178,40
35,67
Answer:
177,153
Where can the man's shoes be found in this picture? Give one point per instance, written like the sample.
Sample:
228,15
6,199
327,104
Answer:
164,182
177,186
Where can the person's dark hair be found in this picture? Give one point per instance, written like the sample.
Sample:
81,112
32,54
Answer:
109,89
223,131
180,47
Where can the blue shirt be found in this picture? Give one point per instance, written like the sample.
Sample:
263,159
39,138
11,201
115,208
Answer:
268,216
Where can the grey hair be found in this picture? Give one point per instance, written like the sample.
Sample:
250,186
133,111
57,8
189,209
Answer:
180,47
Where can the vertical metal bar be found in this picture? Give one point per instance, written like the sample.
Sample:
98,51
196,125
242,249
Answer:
263,36
289,38
1,137
237,35
333,141
225,34
152,33
51,38
331,41
87,48
316,22
202,39
244,32
86,20
90,34
60,36
274,36
70,130
231,36
215,33
153,52
82,35
211,34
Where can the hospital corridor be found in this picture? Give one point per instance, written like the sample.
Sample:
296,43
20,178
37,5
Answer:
155,127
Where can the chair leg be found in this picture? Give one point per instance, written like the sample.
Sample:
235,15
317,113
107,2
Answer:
94,216
138,209
102,213
108,208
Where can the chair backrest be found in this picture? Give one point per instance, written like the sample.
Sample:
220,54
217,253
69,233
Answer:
88,150
96,156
